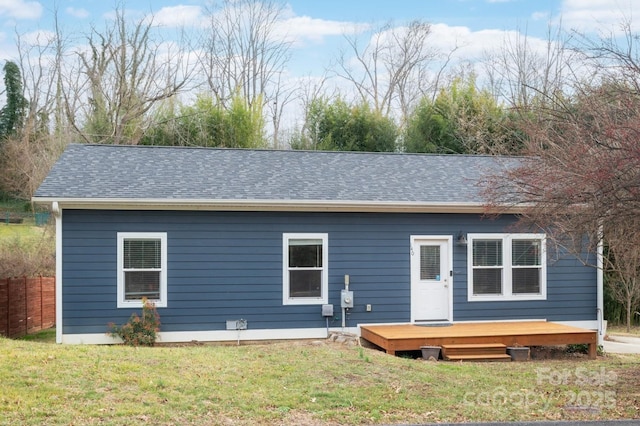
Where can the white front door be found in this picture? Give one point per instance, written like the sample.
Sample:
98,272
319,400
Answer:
431,278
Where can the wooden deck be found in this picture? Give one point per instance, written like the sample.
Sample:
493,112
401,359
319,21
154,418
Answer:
409,337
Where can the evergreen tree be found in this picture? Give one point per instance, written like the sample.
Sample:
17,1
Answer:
338,126
13,113
462,120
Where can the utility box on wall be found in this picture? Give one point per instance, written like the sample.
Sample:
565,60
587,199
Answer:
346,299
239,324
327,310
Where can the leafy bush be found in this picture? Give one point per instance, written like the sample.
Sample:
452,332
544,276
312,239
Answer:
139,331
578,348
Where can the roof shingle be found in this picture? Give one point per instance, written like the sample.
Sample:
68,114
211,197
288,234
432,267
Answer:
175,173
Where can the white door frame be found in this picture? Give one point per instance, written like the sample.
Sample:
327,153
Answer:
434,238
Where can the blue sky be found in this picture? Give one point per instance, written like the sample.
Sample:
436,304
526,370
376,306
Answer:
475,14
318,23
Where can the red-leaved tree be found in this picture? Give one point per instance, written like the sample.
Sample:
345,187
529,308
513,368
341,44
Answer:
581,181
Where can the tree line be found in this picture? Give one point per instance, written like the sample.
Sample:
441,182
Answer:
226,84
572,108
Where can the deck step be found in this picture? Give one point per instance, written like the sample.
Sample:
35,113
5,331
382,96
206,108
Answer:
474,349
476,345
480,358
475,352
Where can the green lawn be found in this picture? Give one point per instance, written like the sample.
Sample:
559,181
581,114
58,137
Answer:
12,230
43,336
297,383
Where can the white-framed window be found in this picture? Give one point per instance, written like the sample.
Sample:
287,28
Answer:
506,267
142,268
305,269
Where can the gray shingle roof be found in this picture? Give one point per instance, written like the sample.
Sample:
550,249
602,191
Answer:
86,172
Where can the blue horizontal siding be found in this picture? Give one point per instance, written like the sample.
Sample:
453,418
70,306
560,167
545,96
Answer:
228,265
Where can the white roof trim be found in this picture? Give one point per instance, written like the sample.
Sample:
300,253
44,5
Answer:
273,205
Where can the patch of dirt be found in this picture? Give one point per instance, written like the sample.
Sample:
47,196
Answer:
623,385
301,417
562,352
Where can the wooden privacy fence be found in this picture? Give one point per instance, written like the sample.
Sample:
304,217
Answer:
27,305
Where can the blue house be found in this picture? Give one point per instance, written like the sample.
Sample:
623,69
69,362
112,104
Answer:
272,238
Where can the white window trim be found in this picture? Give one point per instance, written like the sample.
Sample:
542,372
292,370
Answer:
162,236
286,299
507,293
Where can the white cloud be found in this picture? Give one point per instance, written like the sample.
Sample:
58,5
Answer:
178,16
539,16
38,38
20,9
303,28
474,47
8,49
79,13
597,15
471,45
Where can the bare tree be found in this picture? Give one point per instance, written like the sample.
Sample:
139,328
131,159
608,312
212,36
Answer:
29,153
276,108
525,70
245,51
310,89
30,150
126,72
26,162
392,71
61,125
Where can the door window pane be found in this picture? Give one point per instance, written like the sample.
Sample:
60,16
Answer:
430,262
